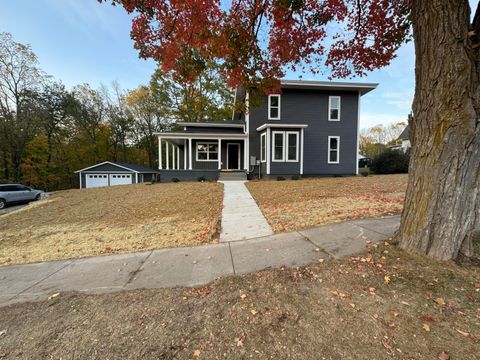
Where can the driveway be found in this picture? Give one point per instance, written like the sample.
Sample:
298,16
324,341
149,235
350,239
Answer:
12,208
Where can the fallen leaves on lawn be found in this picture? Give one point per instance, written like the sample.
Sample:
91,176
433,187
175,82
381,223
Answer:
443,356
53,296
294,205
464,333
203,291
440,301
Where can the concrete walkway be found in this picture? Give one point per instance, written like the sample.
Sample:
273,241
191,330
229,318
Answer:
241,216
192,266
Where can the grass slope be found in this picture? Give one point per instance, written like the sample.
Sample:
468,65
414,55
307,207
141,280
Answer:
117,219
294,205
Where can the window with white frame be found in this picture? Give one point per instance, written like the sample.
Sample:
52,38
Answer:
285,146
334,149
207,151
263,147
278,146
334,104
274,107
292,146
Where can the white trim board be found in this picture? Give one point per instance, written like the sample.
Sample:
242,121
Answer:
103,163
201,136
286,126
219,124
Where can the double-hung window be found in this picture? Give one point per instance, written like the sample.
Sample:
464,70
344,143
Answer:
292,146
285,146
207,151
278,146
274,107
334,104
263,147
334,149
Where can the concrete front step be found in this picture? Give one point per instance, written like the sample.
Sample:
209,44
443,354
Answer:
234,175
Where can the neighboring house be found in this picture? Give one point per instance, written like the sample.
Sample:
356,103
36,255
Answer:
110,173
309,129
403,141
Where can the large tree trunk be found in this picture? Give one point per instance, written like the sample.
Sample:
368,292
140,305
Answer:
443,200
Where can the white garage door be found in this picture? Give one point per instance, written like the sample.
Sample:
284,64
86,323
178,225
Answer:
120,179
96,180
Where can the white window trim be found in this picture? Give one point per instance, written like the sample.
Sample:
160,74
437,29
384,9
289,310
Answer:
287,144
330,107
270,105
263,141
273,146
208,151
330,149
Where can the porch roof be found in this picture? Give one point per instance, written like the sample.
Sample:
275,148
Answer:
199,135
282,126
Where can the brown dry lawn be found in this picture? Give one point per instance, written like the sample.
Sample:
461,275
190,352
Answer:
293,205
118,219
382,305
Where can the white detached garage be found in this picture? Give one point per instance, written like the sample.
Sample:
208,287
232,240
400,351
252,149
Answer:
110,173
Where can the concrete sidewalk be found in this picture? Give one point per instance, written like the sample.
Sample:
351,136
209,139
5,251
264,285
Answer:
192,266
241,217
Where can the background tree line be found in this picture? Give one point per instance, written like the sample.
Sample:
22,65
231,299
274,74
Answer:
376,144
48,131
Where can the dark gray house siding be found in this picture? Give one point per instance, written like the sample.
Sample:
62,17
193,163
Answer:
209,165
310,107
304,110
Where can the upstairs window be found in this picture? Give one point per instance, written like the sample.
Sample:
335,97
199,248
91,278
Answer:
334,103
263,147
274,107
334,149
207,151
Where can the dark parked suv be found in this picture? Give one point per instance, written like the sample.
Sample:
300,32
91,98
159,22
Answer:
15,193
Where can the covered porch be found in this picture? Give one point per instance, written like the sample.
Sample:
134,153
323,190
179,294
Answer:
186,156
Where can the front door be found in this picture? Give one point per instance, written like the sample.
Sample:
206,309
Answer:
233,156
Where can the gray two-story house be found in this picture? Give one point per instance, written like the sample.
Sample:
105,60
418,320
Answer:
310,128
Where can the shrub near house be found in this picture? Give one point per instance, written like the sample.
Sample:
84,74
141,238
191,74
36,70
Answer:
391,162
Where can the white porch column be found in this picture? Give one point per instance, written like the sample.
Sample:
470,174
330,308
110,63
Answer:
301,151
178,157
190,153
173,157
167,155
185,154
160,160
246,161
219,154
268,151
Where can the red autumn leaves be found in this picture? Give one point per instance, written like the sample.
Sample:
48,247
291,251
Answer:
260,39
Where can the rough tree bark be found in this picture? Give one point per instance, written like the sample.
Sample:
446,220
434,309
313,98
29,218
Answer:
443,198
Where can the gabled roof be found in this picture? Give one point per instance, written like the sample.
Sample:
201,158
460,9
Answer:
126,166
405,134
